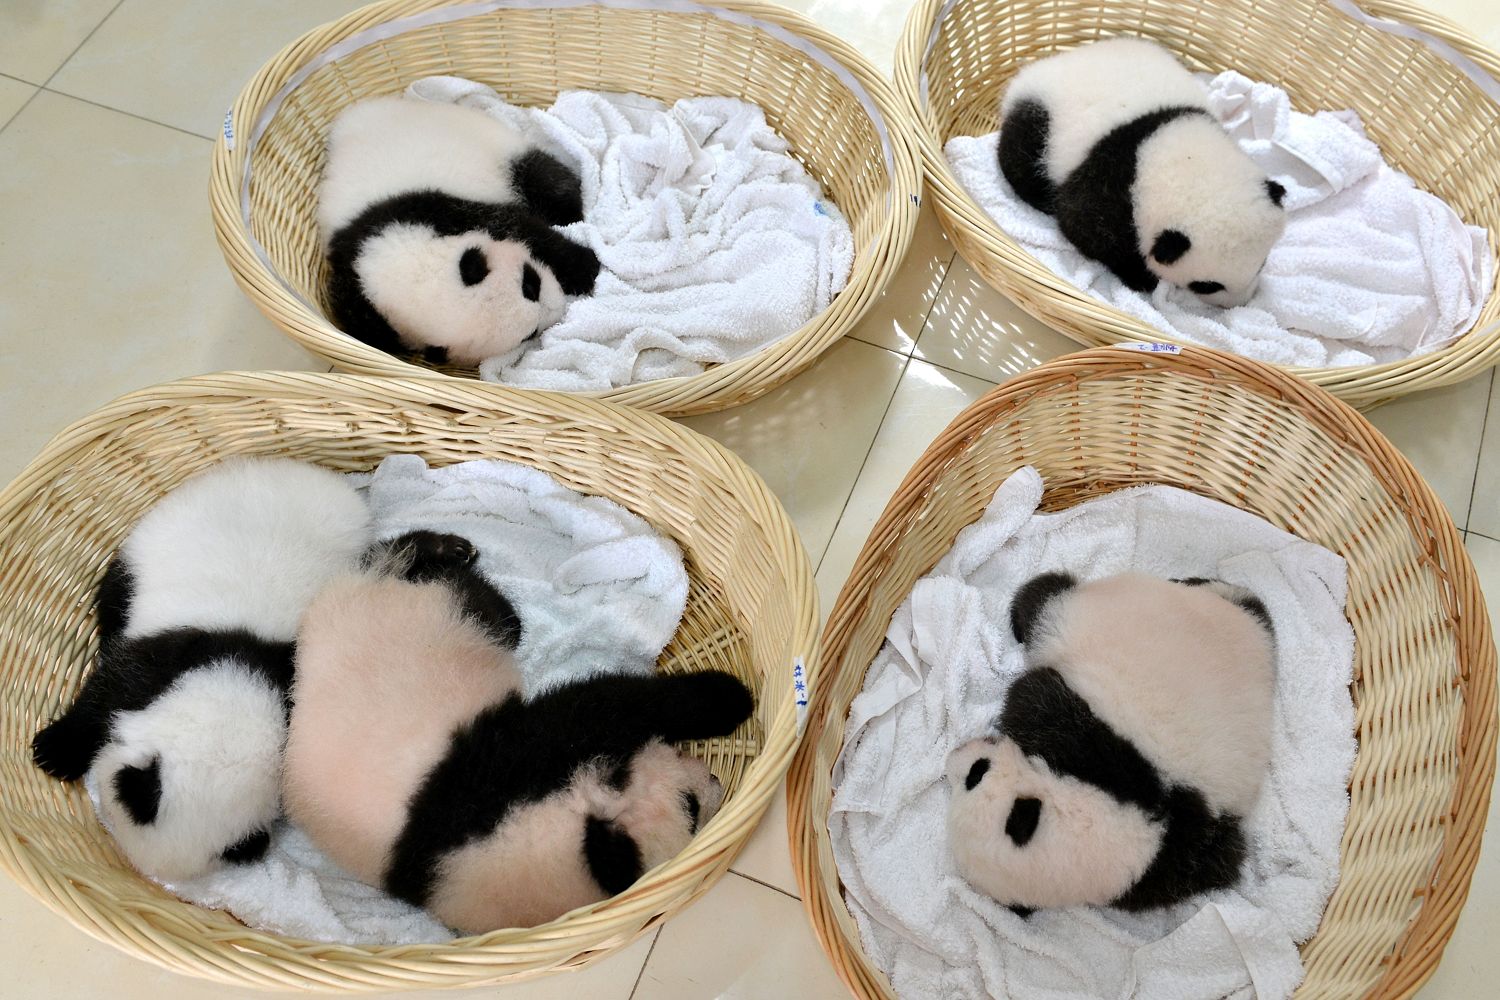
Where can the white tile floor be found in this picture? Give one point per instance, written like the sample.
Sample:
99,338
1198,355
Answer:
112,282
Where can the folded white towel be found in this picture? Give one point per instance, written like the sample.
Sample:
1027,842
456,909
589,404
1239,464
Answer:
941,679
1370,270
596,587
714,242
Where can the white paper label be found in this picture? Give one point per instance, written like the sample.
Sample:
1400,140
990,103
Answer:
799,693
1155,347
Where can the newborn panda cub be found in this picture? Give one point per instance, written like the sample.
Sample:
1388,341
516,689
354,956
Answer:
437,223
415,763
183,718
1116,140
1128,753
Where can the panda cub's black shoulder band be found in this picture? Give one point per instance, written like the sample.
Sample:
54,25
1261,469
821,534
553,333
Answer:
1094,204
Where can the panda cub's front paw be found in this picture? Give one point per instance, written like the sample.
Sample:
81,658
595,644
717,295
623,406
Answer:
430,555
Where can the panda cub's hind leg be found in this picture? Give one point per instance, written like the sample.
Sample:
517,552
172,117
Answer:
429,556
548,187
1023,153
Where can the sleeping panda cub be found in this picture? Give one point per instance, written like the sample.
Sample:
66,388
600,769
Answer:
1127,755
437,223
1116,140
182,721
415,763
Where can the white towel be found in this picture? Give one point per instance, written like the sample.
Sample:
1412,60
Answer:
714,242
596,587
1370,270
940,679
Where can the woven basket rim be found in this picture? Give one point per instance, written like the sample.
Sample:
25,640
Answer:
401,966
721,386
1419,949
1365,386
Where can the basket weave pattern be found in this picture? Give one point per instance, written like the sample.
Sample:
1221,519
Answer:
1250,436
751,610
1430,121
529,56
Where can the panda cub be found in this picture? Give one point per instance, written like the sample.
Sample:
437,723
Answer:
437,223
1115,139
415,763
182,720
1129,752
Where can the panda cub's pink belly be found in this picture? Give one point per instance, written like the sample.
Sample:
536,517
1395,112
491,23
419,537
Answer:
386,671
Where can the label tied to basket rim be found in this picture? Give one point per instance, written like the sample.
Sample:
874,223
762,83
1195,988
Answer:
1152,347
799,693
229,129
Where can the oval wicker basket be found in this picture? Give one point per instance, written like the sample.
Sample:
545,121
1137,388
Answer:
751,610
1246,434
1431,121
842,119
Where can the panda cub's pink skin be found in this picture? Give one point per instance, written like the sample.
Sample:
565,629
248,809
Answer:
414,762
386,670
1143,720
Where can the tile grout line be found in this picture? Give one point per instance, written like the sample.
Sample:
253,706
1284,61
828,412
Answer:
906,363
121,111
1479,534
1479,455
649,952
69,57
24,105
947,266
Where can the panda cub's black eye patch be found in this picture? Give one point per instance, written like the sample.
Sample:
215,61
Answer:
693,807
472,267
1022,821
976,773
1205,287
1170,245
531,283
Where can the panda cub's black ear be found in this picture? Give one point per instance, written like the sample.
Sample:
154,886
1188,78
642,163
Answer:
1275,191
1031,600
1170,245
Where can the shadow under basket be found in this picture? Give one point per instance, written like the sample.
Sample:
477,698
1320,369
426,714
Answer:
841,118
1431,120
1251,436
751,610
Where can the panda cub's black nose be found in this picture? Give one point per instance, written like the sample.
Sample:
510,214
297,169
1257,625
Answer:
472,266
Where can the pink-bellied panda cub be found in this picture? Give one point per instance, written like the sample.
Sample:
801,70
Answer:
1129,752
1115,139
182,721
415,763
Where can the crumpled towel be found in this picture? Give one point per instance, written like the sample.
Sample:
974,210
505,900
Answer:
941,679
714,242
596,587
1370,270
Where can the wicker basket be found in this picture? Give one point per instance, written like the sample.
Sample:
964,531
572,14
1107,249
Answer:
1431,121
843,121
1246,434
751,610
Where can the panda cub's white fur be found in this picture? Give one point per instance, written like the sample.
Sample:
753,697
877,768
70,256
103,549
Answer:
1130,751
436,220
1116,140
388,145
246,544
181,723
